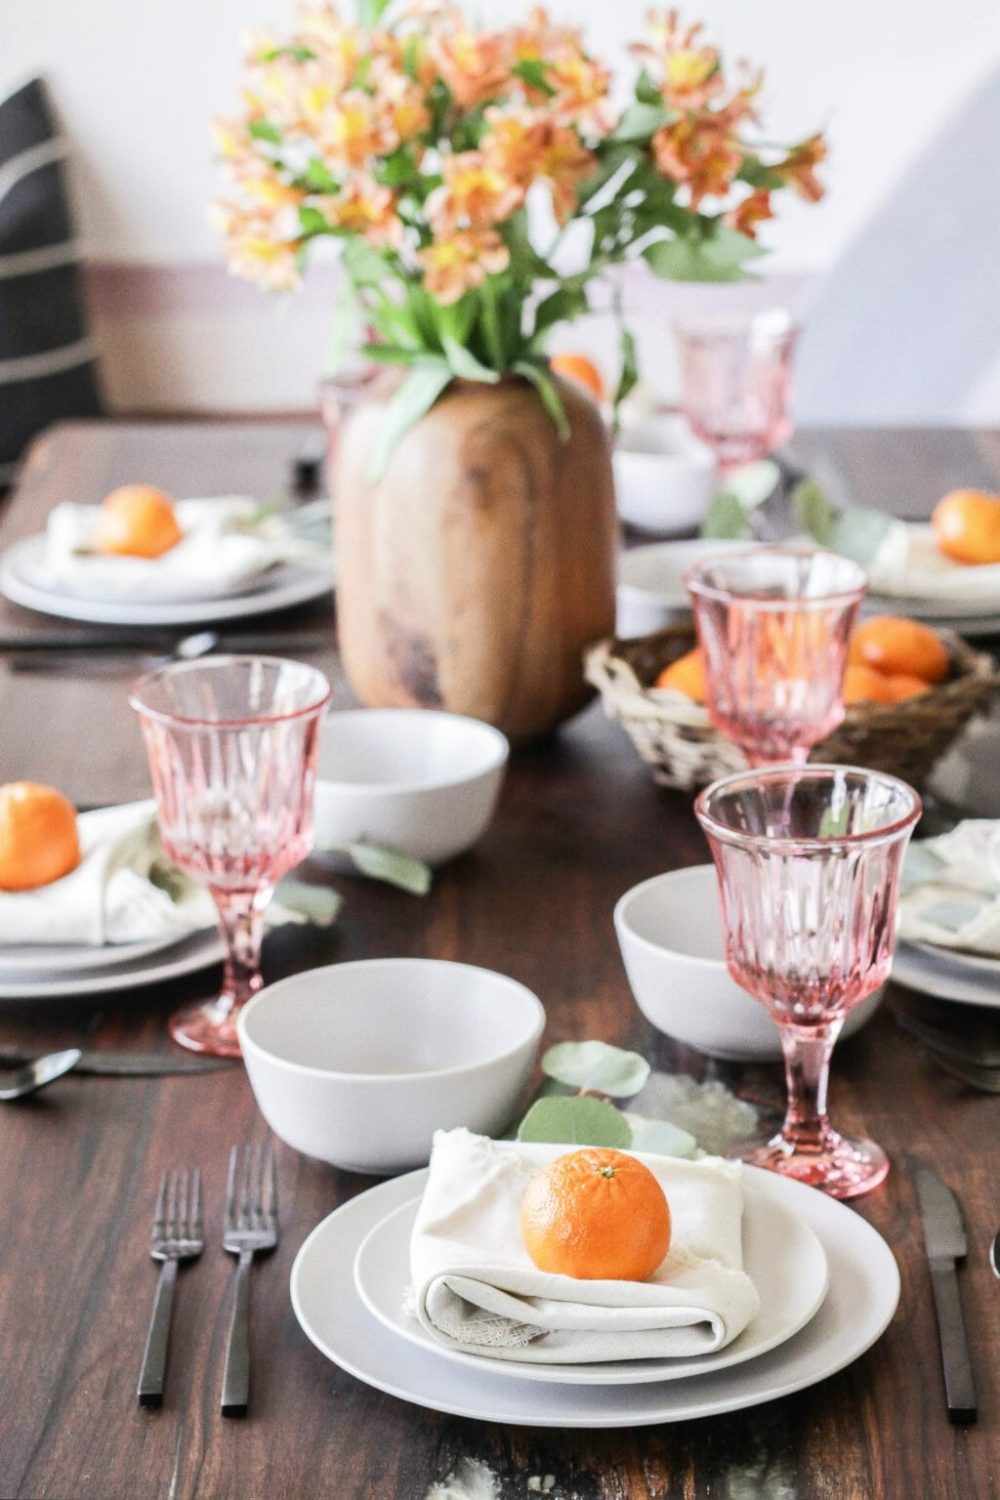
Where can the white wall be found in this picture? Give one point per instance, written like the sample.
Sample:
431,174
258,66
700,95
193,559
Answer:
137,83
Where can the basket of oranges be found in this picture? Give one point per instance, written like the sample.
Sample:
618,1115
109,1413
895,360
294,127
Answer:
908,692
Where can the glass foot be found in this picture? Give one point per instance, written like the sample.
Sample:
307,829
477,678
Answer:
838,1165
208,1027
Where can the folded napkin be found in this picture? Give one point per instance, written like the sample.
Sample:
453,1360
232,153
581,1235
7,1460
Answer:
227,544
950,889
475,1288
122,891
909,565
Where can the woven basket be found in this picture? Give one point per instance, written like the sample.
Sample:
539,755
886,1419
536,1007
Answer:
675,736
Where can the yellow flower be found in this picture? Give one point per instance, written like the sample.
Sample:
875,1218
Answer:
231,141
352,130
685,68
364,207
476,193
402,101
581,87
269,191
700,153
254,249
454,265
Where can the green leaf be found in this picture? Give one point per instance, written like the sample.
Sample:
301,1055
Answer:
312,221
413,399
318,178
365,265
754,483
860,532
526,264
370,12
531,70
754,172
815,511
727,247
346,323
263,130
576,1122
628,377
726,520
597,1066
685,260
391,865
397,168
549,392
389,354
566,303
466,365
640,122
317,903
646,91
659,1137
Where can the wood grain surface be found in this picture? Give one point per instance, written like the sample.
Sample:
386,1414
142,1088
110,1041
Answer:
579,822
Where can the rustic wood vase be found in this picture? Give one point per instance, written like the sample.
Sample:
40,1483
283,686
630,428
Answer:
474,573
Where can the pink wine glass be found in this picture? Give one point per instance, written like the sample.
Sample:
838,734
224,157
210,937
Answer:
232,751
808,860
774,625
736,378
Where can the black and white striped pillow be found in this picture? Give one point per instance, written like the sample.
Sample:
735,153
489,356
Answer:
48,367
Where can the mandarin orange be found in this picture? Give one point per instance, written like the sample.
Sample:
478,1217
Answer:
137,521
893,644
903,685
581,369
685,675
598,1215
39,842
864,685
967,526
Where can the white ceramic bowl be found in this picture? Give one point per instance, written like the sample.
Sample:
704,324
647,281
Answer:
651,590
664,478
358,1064
670,932
411,778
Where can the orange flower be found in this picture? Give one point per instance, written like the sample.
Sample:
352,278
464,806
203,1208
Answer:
454,265
696,151
752,211
364,207
563,162
475,65
529,146
685,69
402,101
798,168
232,142
476,193
540,39
353,130
581,99
256,250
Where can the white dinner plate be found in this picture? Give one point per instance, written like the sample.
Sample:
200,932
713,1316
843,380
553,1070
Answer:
22,580
946,974
782,1256
862,1297
78,958
197,952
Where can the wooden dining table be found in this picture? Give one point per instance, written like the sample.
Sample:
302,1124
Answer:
579,822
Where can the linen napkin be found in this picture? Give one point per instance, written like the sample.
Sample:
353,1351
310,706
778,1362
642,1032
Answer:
950,889
909,565
118,893
476,1289
227,544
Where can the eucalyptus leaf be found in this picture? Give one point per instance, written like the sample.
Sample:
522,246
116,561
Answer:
391,865
549,393
576,1122
466,365
686,260
316,903
726,519
727,247
754,483
859,533
639,123
598,1066
815,511
659,1137
414,398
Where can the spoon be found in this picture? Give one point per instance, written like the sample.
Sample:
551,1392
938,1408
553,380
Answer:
995,1254
35,1075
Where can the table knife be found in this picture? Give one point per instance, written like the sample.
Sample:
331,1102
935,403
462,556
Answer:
944,1237
130,1064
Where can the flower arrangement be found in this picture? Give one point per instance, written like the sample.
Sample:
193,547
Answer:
433,148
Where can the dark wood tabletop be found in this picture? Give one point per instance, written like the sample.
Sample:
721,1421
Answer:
578,824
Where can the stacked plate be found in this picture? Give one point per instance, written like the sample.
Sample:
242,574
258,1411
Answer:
828,1285
38,971
948,974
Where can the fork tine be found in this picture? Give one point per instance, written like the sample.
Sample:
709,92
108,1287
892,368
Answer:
245,1188
171,1223
256,1216
161,1207
234,1157
271,1219
186,1220
197,1224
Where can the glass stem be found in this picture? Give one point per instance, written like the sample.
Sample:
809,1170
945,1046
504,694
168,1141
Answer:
241,919
807,1052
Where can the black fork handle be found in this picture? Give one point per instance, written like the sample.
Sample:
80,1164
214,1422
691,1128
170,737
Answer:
154,1360
236,1380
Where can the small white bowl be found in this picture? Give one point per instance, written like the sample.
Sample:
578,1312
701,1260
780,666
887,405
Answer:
651,589
670,932
411,778
664,478
358,1064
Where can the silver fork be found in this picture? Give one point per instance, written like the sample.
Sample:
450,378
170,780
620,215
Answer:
178,1234
251,1227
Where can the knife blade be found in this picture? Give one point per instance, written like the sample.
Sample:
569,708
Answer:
130,1064
945,1241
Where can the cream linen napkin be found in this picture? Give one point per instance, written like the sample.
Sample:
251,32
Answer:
951,889
909,565
226,545
109,897
476,1289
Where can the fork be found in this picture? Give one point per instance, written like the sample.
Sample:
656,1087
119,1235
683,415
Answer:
178,1234
251,1227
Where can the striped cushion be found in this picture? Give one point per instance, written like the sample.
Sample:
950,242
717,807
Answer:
48,366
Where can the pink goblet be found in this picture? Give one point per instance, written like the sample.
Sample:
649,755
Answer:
774,625
736,376
808,861
232,751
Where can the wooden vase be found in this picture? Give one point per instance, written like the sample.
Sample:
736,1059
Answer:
473,574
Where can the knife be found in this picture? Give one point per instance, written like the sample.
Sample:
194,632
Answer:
944,1236
130,1064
